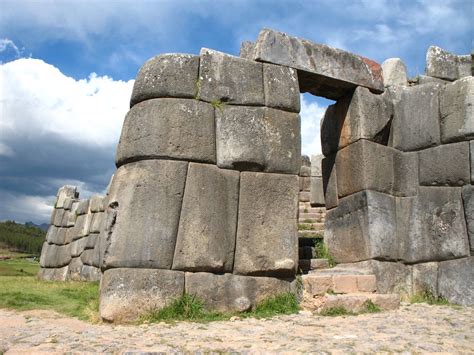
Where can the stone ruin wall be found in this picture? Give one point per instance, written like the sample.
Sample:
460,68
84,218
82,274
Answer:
71,250
205,197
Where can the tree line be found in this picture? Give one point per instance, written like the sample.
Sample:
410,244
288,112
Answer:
21,238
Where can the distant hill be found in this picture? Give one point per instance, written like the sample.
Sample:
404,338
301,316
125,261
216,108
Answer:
42,226
21,237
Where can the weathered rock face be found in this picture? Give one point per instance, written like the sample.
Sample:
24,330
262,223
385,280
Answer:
468,199
394,72
322,70
445,65
456,281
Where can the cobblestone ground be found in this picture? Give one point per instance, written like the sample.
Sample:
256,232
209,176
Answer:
412,328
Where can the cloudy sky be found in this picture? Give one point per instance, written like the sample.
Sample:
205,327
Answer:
67,70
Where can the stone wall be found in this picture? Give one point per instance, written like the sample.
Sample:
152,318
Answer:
398,179
71,248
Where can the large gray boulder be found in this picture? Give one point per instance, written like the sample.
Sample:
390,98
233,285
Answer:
394,72
258,139
58,236
425,278
227,79
456,281
144,206
468,200
83,207
97,203
266,231
362,227
358,115
322,70
64,193
74,270
97,222
457,110
78,246
471,151
317,192
55,256
90,273
233,293
281,88
208,223
447,164
125,294
445,65
328,166
167,75
431,226
56,274
168,128
415,123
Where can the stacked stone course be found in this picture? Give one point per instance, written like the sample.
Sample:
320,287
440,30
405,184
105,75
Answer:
71,240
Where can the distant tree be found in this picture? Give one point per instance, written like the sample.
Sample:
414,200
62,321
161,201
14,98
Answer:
27,239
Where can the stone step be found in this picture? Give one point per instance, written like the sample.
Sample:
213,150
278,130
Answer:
311,233
304,216
313,264
351,302
310,226
319,283
318,210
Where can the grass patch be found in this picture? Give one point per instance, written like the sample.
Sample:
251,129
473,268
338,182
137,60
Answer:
190,308
336,312
371,307
218,104
429,298
76,299
19,267
304,227
321,252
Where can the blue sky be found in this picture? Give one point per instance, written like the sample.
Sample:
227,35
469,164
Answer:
67,69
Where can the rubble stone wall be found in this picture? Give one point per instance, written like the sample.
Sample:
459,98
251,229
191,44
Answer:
71,249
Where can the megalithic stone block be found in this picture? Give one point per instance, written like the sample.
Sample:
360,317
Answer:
266,231
55,256
316,165
233,293
456,281
281,87
471,150
54,274
258,139
144,207
457,110
425,278
83,207
362,227
328,165
305,183
90,273
65,192
168,128
78,246
208,223
445,65
416,118
431,226
224,78
74,270
97,204
58,236
468,200
317,192
358,115
125,294
394,72
447,164
167,75
97,222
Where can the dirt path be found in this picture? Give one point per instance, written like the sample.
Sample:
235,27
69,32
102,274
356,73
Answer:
416,328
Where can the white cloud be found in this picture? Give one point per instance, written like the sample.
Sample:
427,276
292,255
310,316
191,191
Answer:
37,99
311,115
6,44
24,208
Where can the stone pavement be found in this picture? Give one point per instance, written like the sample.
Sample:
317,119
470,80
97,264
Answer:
412,328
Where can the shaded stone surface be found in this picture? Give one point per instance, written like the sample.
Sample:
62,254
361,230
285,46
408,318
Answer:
456,281
394,72
471,151
74,270
445,65
90,273
82,207
144,206
281,87
97,204
64,193
322,70
328,166
58,236
125,294
258,139
233,293
224,78
431,226
317,192
358,115
97,222
457,110
78,246
362,227
168,128
208,222
266,231
166,75
415,123
425,278
445,165
55,256
56,274
468,200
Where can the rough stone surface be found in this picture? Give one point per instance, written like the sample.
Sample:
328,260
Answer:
366,165
316,165
258,139
465,67
358,115
425,278
441,64
78,246
97,204
56,274
457,110
82,207
142,230
227,79
90,273
317,192
266,232
97,222
55,256
91,241
168,128
64,193
362,227
471,151
231,293
322,70
74,270
166,75
281,87
424,79
305,183
456,281
81,227
208,223
468,199
125,294
394,72
58,236
431,226
247,50
415,123
446,165
328,166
